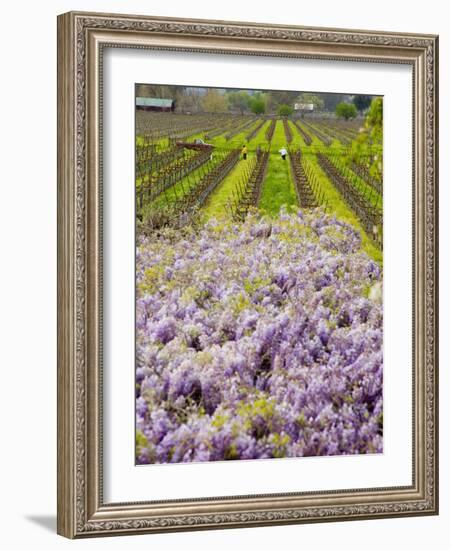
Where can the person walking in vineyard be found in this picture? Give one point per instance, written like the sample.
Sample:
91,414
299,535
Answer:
283,153
244,152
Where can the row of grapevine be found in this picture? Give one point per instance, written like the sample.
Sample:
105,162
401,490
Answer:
151,159
369,187
187,202
240,127
306,137
153,183
305,194
362,171
369,214
324,138
270,130
248,193
287,130
255,130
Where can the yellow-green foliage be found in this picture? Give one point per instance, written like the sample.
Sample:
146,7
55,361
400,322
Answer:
141,442
280,442
239,303
152,277
301,419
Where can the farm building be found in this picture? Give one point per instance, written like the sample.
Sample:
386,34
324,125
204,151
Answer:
155,104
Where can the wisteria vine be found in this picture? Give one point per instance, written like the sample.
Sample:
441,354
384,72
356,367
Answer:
260,339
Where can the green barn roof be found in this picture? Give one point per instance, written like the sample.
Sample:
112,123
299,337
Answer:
153,102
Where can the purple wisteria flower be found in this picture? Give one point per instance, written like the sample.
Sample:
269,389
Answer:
257,343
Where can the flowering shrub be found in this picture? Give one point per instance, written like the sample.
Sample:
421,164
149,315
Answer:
258,340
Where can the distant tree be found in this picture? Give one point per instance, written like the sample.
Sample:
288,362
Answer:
213,102
367,148
361,102
258,106
346,110
331,100
189,100
275,98
257,103
239,100
156,90
285,110
316,100
374,120
143,90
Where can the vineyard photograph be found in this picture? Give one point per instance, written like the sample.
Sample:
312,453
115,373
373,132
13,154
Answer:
259,274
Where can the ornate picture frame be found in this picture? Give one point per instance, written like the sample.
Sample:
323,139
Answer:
82,38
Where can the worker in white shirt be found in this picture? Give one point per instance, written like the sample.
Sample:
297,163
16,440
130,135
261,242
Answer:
283,153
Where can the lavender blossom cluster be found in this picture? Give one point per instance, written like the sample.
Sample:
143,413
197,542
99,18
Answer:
260,339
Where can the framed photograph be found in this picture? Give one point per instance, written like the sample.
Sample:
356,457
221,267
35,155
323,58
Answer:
247,274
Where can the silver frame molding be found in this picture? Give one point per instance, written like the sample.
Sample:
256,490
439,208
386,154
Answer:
81,39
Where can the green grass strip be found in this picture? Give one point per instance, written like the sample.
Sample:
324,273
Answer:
279,138
216,205
278,186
